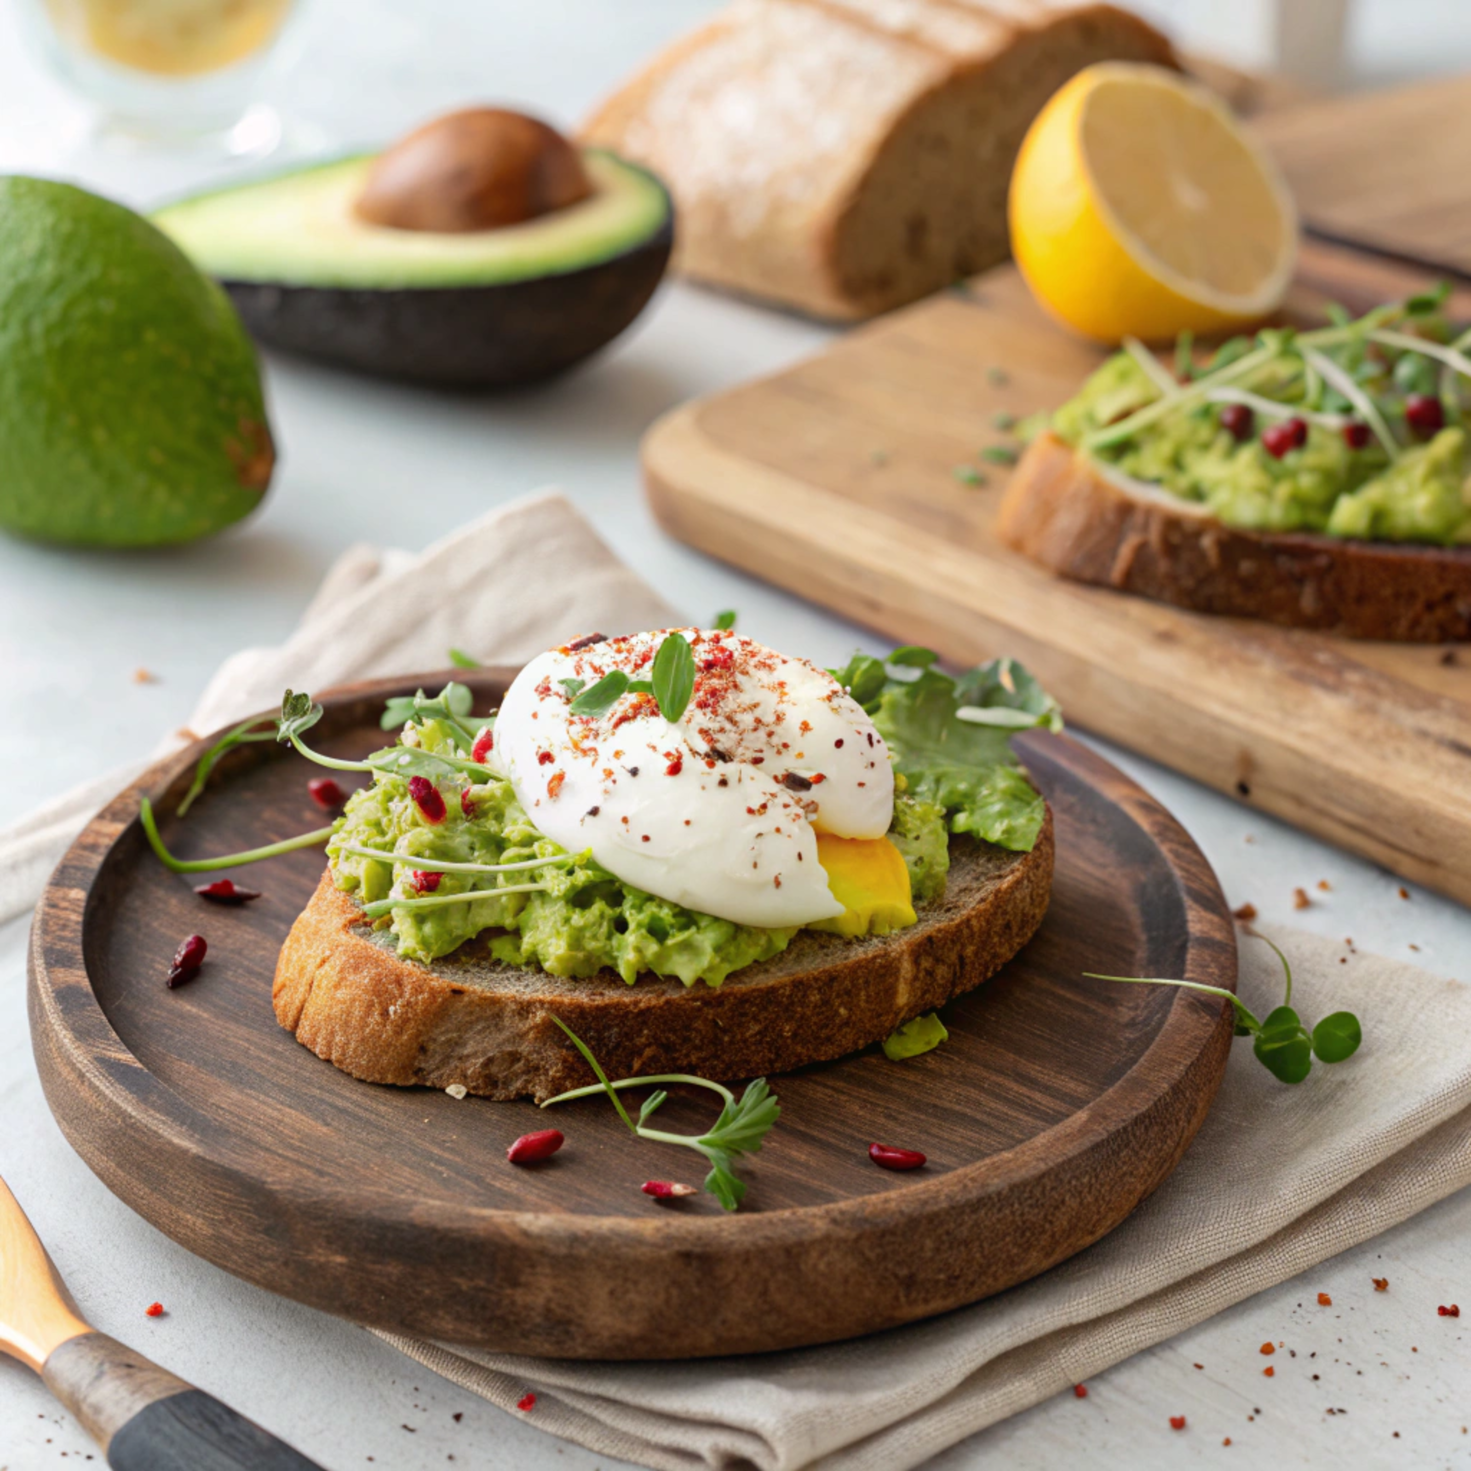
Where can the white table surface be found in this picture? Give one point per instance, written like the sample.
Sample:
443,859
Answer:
75,626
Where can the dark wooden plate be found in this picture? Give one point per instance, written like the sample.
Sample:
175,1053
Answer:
1056,1107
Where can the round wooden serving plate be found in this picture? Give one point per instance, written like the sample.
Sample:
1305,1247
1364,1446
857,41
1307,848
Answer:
1057,1105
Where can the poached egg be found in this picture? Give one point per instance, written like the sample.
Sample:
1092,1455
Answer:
719,811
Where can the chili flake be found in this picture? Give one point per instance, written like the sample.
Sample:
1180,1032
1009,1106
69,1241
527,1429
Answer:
526,1402
1177,1422
1324,1301
154,1310
1269,1371
1081,1390
1381,1284
1269,1348
1453,1311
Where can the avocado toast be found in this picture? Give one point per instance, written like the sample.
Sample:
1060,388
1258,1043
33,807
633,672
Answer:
698,854
1314,479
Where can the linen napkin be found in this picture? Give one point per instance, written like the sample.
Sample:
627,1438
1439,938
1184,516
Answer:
1278,1179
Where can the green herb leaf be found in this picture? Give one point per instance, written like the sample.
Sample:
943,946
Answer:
461,660
999,454
968,475
652,1103
912,656
915,1038
1283,1047
1422,303
1004,685
1337,1037
574,687
602,696
245,732
298,715
674,676
725,619
864,677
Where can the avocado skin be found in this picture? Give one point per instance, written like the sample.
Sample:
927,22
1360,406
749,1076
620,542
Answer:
131,410
496,336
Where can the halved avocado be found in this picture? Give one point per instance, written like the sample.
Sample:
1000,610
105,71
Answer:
490,307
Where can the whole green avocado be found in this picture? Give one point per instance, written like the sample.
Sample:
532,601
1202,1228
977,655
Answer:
131,411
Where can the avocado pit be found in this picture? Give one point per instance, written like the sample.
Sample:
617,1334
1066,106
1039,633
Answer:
479,169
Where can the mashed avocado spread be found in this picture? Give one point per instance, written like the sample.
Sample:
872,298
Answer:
955,773
1356,430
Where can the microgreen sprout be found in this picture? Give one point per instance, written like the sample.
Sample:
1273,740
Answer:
440,865
229,860
741,1128
461,660
380,907
299,714
725,620
1283,1045
245,732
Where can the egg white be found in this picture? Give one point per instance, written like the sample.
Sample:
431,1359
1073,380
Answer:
718,811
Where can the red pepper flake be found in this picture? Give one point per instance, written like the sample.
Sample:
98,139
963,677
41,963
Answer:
1177,1422
1081,1390
889,1158
425,883
1227,1441
1381,1284
818,778
1245,913
1324,1301
531,1148
187,960
1269,1348
526,1402
1300,899
226,891
1453,1311
466,805
427,799
484,745
325,792
554,782
154,1310
675,766
666,1189
1269,1371
1404,893
544,758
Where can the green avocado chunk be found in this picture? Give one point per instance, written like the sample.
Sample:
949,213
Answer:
131,411
584,919
1325,485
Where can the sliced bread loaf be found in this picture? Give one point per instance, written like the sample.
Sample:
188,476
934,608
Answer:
470,1020
846,156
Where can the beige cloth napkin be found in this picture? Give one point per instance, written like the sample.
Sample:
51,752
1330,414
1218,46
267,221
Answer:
1278,1179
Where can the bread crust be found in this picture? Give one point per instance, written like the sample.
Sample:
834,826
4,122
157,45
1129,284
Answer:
1063,512
846,156
469,1020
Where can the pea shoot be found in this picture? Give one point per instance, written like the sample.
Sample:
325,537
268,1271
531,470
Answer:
1283,1045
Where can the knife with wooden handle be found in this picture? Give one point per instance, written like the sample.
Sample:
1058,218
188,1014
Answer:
143,1417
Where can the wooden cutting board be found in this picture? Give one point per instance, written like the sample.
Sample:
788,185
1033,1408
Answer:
838,480
1383,169
1056,1106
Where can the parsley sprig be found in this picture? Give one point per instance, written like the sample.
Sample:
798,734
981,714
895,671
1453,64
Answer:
671,682
741,1128
1284,1045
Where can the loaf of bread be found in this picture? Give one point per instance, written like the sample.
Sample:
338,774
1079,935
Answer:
846,156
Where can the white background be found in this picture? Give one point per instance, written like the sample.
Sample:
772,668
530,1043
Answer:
361,458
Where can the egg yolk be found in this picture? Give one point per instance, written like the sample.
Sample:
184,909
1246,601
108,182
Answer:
868,877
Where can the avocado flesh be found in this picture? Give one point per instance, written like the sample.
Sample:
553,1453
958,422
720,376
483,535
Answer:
299,229
131,409
491,309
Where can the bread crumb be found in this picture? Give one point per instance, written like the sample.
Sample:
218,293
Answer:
1300,899
1325,886
1414,947
144,676
457,1090
1245,912
1404,893
1381,1284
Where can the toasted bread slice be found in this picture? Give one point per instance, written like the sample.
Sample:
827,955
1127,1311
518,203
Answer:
470,1020
1063,510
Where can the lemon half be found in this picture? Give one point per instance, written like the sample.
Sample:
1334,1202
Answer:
1140,208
